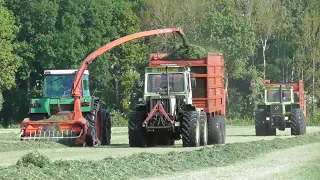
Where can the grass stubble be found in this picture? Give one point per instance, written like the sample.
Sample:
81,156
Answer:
35,165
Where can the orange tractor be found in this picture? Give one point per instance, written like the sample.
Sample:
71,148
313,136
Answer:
67,110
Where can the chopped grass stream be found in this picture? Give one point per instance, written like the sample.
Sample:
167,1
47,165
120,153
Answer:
147,164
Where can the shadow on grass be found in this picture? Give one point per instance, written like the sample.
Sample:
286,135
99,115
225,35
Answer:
251,135
239,135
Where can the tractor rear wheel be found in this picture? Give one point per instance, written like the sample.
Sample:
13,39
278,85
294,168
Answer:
137,134
298,122
105,125
216,130
204,129
190,129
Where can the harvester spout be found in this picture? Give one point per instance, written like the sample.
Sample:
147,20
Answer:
76,90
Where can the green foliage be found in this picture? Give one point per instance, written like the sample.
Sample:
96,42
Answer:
135,166
1,100
35,159
119,119
9,62
186,51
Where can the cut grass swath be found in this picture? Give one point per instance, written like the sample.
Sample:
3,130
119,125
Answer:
147,164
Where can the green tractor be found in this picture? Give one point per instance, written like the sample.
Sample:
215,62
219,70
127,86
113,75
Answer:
52,116
284,107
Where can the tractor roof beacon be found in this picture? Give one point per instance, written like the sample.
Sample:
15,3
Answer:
67,110
183,99
284,107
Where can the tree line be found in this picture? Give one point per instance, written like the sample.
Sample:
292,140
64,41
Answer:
274,39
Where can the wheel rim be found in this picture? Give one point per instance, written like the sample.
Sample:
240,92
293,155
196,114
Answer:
197,132
205,132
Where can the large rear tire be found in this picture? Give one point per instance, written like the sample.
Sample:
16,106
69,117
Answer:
204,129
137,134
298,122
216,130
190,129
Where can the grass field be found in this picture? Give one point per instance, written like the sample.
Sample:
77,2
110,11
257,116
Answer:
118,161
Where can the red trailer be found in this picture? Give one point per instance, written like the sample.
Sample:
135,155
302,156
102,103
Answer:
210,92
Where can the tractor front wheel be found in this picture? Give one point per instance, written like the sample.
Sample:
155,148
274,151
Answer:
91,138
262,126
216,130
298,122
190,129
137,134
105,125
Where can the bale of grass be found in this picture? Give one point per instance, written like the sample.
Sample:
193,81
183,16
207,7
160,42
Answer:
186,51
35,159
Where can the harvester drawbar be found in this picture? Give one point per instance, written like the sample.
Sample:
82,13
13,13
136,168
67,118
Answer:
67,110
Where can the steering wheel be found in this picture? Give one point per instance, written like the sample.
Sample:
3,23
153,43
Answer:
162,89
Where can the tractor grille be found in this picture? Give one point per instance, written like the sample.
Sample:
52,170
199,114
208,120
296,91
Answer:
276,109
64,107
165,104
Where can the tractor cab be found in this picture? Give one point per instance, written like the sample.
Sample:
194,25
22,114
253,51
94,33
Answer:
58,83
168,80
57,94
279,95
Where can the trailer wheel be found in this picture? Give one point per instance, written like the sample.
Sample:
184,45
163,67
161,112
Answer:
105,127
137,134
216,130
298,122
190,129
204,129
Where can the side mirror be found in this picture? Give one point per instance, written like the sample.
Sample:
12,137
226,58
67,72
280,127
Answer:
138,84
38,84
193,82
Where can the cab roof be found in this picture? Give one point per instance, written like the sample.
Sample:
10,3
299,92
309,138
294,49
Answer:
64,71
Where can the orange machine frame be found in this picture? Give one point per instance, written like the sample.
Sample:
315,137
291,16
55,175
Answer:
76,90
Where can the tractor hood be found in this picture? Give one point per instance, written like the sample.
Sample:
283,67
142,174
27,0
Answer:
51,105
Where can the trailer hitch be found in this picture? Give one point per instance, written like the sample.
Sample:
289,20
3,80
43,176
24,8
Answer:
158,107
